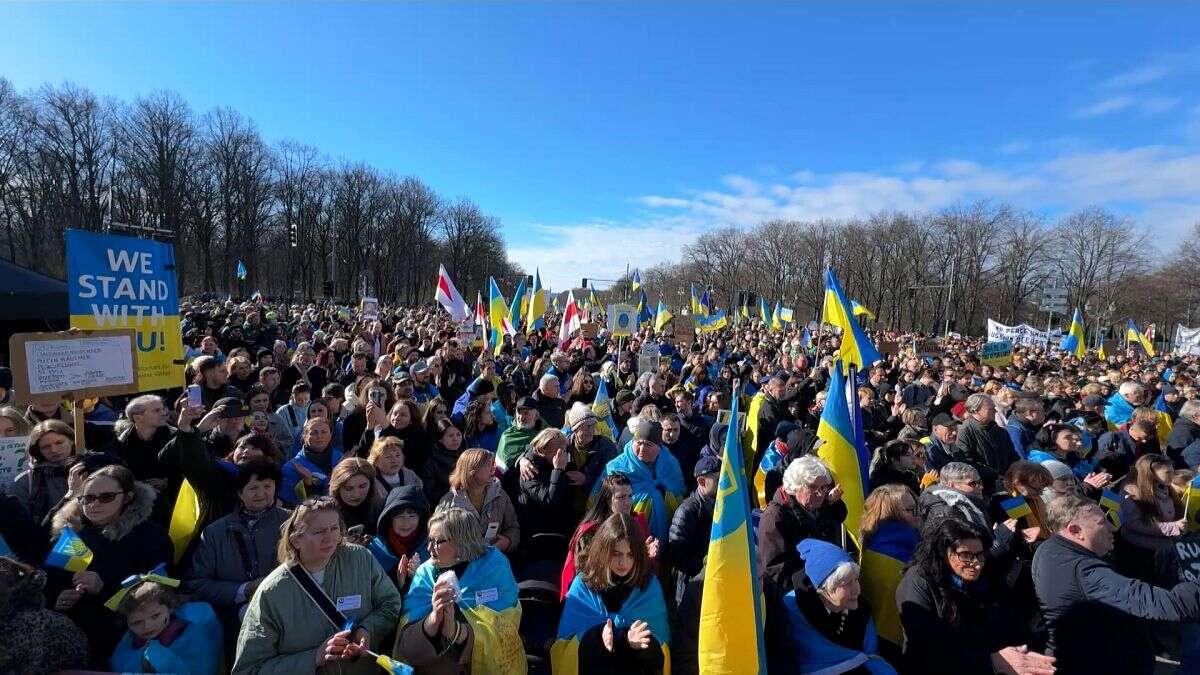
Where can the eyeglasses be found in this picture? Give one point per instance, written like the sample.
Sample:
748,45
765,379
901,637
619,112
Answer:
969,557
823,489
434,543
102,497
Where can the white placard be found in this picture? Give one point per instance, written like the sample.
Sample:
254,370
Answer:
13,458
80,363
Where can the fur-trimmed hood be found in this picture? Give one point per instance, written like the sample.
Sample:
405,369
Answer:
136,512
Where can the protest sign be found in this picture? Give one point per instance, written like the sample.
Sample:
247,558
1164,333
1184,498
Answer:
999,353
123,282
888,347
1023,334
1188,550
927,348
76,364
369,309
621,321
12,458
1187,340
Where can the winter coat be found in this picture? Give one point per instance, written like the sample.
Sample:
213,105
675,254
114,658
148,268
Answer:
1100,621
939,502
687,542
937,646
1021,434
989,448
783,525
36,640
596,456
552,410
407,496
497,516
233,550
436,476
283,628
40,488
514,440
131,544
210,477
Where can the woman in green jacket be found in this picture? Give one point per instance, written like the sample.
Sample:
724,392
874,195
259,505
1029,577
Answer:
286,631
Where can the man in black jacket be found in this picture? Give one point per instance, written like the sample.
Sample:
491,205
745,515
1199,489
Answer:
1099,621
691,526
982,442
1185,432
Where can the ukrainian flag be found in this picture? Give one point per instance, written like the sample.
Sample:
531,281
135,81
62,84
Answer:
697,308
637,281
1191,506
1111,503
645,316
776,321
731,611
846,457
764,312
1073,341
69,552
1100,353
706,302
594,300
855,348
662,317
185,518
519,304
745,312
1016,507
884,556
715,321
497,314
602,407
1133,335
786,314
859,310
537,304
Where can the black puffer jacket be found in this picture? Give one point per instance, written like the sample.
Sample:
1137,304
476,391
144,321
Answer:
687,542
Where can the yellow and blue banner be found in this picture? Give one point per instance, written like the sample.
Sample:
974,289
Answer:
602,407
776,321
731,638
787,315
537,304
764,312
488,599
1074,341
657,490
698,309
842,450
1135,336
855,349
69,552
636,281
645,316
1191,506
123,282
392,666
1111,503
886,552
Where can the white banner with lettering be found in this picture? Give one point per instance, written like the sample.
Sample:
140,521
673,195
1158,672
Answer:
1187,340
1023,334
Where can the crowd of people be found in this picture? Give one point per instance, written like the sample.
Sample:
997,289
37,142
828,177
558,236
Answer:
380,485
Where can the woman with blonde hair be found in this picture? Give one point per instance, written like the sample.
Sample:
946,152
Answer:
388,457
307,474
1150,520
322,606
12,423
51,449
889,539
474,488
352,485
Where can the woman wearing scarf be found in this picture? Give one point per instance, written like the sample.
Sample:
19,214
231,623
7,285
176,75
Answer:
401,542
50,450
352,485
614,618
461,612
474,487
889,538
389,459
656,477
307,474
828,630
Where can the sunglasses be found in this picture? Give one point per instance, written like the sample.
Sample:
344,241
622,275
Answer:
102,497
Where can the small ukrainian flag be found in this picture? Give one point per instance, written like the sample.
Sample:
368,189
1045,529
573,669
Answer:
1111,503
69,552
1016,507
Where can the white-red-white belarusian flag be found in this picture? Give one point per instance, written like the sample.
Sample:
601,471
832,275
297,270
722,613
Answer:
481,319
447,295
570,321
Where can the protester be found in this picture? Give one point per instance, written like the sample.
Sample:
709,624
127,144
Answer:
983,441
655,475
475,489
547,499
307,474
353,486
442,460
1150,519
36,640
691,526
400,543
112,517
808,506
388,457
290,625
1099,620
38,489
166,634
889,537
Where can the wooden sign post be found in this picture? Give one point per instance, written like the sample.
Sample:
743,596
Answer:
73,365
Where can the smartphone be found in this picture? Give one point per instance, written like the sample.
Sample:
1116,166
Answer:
377,396
195,397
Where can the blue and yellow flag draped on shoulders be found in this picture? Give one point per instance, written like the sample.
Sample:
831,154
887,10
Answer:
731,638
855,348
843,449
198,649
1073,341
488,600
584,609
815,653
655,494
884,556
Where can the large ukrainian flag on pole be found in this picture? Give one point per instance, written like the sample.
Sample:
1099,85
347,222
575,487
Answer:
537,304
855,349
497,313
841,450
731,612
1132,335
1073,342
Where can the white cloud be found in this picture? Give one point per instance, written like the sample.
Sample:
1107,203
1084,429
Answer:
1158,185
1158,104
1106,106
1016,146
1138,76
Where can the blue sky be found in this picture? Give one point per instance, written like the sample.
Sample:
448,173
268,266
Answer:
607,134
